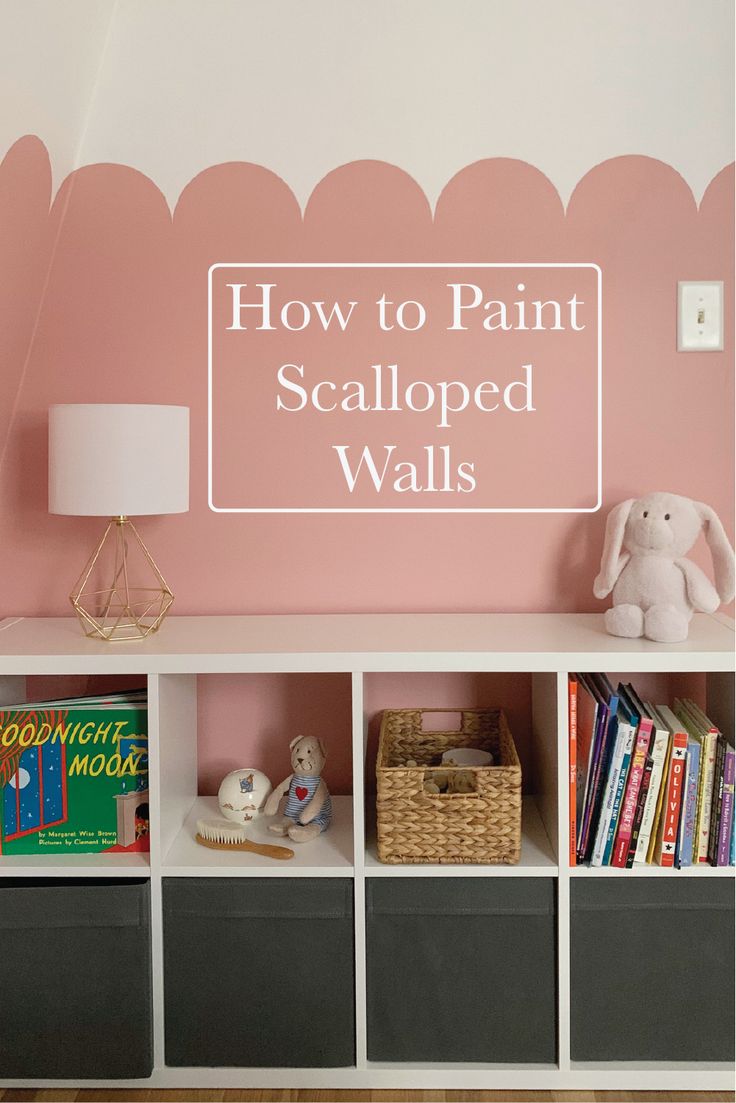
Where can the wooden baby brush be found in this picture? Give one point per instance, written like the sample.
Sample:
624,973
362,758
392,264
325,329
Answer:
223,835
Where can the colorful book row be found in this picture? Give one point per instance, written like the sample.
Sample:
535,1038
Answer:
648,783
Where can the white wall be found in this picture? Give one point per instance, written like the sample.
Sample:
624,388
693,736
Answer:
430,85
50,55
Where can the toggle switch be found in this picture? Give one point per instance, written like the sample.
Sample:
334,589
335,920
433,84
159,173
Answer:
700,316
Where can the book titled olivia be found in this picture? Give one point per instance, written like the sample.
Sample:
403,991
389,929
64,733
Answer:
670,819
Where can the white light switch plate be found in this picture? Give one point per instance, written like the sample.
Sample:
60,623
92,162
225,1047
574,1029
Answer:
700,316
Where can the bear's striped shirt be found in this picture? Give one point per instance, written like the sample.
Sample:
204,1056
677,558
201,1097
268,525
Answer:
296,802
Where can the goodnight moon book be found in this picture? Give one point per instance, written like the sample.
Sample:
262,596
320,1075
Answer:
74,776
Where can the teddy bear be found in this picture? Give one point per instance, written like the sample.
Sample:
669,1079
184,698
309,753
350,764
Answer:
655,588
308,808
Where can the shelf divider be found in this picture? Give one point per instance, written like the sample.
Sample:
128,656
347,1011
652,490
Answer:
359,735
156,802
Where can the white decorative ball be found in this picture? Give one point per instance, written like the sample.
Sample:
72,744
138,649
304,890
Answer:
242,795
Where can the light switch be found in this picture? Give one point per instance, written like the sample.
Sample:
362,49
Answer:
700,316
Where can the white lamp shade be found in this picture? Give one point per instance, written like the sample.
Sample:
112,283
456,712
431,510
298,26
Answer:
110,460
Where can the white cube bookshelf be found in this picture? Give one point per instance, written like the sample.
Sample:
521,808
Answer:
542,648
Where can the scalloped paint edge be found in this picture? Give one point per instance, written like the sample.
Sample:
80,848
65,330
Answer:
66,183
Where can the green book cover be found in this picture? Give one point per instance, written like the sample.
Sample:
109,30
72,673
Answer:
74,776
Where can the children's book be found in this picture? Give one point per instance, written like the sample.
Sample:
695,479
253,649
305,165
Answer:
592,718
643,734
673,789
699,726
715,812
74,776
614,787
726,822
686,837
572,720
618,797
605,738
640,806
588,719
659,751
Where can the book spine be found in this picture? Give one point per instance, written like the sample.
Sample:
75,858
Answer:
700,742
605,756
673,800
608,797
590,810
660,745
618,796
724,832
572,698
683,800
688,816
631,796
698,799
715,811
706,798
639,815
661,794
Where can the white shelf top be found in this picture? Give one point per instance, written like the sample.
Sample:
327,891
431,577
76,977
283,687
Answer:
362,642
329,855
700,870
537,857
75,865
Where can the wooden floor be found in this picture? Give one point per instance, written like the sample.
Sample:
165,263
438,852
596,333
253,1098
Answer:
297,1095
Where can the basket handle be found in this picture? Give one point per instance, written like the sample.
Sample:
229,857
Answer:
445,720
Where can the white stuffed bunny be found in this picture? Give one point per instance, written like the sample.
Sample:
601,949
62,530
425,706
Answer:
655,589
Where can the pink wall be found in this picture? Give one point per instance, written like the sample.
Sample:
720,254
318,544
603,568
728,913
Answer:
123,318
250,720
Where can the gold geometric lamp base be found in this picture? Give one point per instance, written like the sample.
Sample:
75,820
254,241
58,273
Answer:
121,594
119,460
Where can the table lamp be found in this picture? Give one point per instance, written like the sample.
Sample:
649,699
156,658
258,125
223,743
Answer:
119,461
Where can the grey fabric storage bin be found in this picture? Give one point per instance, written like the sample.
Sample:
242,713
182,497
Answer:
461,969
76,979
652,969
259,972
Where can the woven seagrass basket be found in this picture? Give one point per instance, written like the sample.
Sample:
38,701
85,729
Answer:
482,826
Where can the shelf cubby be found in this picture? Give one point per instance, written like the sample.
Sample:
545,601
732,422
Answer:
31,687
266,964
671,939
713,691
76,952
530,704
210,724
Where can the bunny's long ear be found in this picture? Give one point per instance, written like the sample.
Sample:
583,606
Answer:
615,525
720,550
